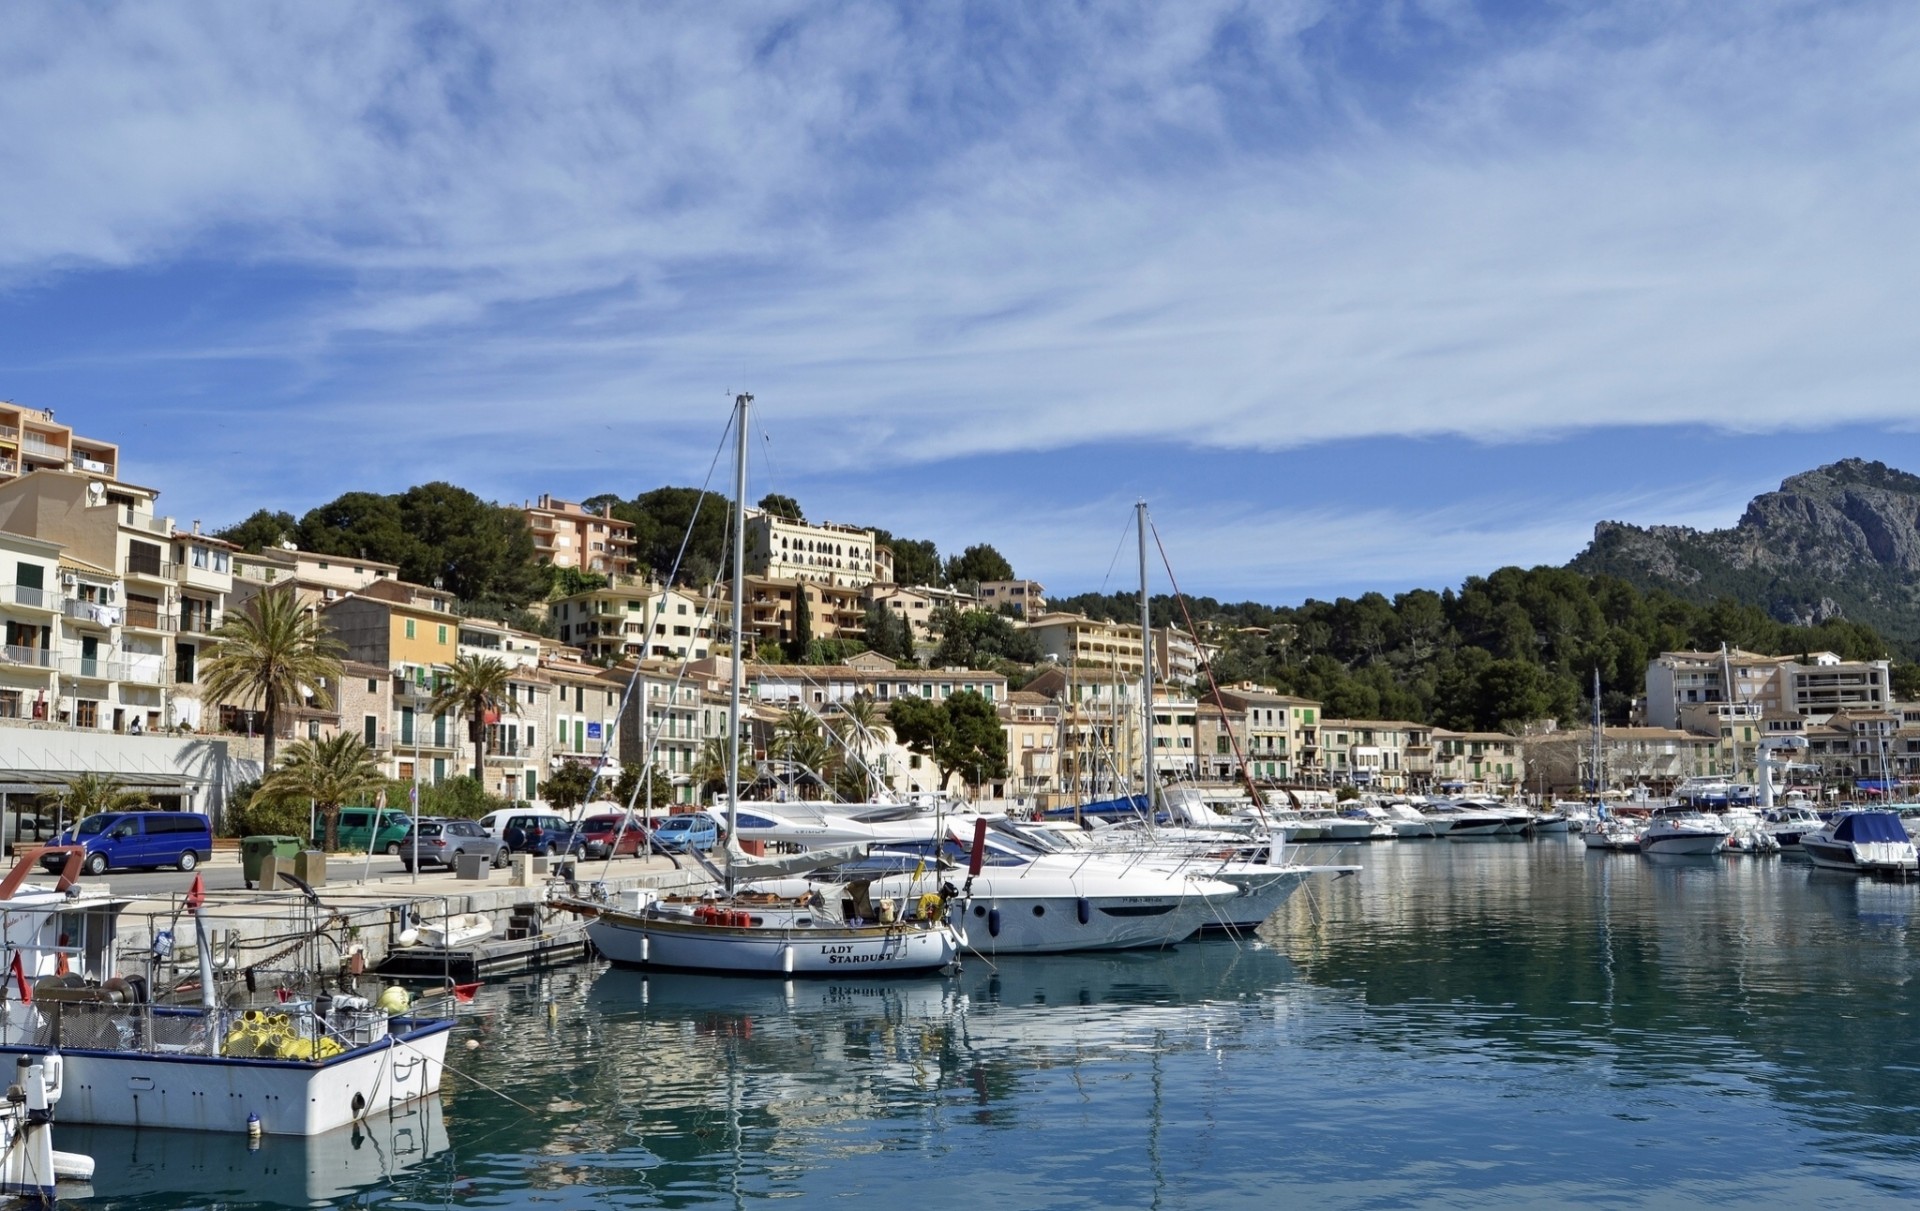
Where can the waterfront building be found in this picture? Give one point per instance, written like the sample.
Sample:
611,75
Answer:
31,440
1394,756
666,721
1282,733
1089,643
1032,723
32,606
1175,734
585,713
1656,759
827,554
1497,762
569,535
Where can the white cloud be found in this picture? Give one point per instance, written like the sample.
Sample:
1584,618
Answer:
926,231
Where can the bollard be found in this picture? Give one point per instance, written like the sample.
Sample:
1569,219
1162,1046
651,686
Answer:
270,872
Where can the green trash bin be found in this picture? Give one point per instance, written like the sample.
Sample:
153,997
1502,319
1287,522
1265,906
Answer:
254,851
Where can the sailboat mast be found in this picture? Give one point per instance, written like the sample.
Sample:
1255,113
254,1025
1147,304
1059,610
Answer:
741,404
1146,660
1599,787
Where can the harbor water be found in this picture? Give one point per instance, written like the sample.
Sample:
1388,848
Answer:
1466,1023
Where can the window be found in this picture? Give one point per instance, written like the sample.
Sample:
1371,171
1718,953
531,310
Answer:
443,634
86,713
409,628
371,731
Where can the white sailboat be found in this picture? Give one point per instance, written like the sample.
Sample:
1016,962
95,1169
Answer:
737,930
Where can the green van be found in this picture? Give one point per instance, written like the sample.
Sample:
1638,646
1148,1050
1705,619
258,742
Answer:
357,826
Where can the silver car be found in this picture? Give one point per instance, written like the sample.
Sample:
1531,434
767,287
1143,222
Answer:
443,841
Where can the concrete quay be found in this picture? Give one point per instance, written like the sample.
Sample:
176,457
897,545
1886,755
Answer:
354,928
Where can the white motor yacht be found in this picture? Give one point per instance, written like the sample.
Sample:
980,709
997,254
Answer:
1866,842
1790,822
1683,831
1469,819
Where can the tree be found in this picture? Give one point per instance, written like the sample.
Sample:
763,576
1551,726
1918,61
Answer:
665,518
785,507
802,626
710,768
476,687
976,638
915,561
91,793
976,564
567,786
658,787
261,530
273,653
887,632
330,774
568,582
439,534
960,735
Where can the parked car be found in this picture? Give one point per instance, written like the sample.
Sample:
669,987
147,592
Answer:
695,830
605,836
537,833
357,829
442,841
126,839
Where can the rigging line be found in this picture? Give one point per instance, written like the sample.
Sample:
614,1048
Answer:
686,539
1213,687
1118,546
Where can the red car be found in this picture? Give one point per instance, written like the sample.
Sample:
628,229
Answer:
600,832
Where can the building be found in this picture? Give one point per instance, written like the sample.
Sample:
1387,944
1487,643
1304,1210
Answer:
32,607
635,618
829,554
568,535
668,717
1782,686
1176,656
917,604
31,440
316,578
1493,761
1654,759
1021,598
1032,722
1281,733
771,614
1385,755
1075,639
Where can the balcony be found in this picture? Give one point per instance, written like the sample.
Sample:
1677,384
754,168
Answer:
148,620
202,622
9,466
39,658
97,613
162,526
149,567
30,597
94,465
33,443
91,668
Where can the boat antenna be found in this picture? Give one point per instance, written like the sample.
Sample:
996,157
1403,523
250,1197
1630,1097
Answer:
742,403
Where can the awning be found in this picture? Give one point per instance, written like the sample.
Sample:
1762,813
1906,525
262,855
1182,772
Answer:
39,782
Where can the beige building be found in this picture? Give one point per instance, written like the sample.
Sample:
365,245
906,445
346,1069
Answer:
1383,754
317,579
1561,763
771,614
634,618
917,605
1282,733
1032,722
1021,598
31,440
1493,761
567,535
829,554
1781,686
32,607
1088,643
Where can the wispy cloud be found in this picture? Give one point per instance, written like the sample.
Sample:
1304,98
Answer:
924,232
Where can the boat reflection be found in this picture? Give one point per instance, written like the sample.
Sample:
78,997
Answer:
360,1165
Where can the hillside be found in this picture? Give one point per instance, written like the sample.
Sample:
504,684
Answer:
1842,541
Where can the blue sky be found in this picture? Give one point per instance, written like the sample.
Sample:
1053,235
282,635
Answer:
1356,295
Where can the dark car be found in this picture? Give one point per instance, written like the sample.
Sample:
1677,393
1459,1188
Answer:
605,836
443,841
535,833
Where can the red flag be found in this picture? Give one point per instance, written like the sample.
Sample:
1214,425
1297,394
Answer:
20,978
464,992
196,895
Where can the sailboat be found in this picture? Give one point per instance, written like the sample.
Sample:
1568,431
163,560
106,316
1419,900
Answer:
739,930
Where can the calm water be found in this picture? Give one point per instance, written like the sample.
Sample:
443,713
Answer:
1465,1024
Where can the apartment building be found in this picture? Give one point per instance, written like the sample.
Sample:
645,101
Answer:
568,535
770,612
121,591
31,440
585,706
817,686
1100,729
1221,741
1654,759
1493,761
1176,656
1782,686
916,604
1282,733
1021,598
828,554
668,718
1175,735
1032,723
635,618
315,578
1738,727
1383,754
32,608
1075,639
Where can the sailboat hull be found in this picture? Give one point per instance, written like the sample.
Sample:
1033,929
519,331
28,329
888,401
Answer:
637,940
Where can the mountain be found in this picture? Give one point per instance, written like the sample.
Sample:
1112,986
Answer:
1842,541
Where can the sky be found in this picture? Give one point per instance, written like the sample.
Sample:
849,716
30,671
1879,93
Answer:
1356,295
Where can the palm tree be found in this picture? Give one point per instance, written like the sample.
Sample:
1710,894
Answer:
476,686
330,773
92,792
710,768
274,653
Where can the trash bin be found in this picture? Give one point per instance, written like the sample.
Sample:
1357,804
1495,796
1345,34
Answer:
254,850
472,866
310,867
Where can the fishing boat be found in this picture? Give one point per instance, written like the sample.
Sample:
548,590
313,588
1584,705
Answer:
30,1169
296,1068
741,929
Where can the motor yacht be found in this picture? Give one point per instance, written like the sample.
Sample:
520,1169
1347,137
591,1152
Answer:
1864,842
1790,822
1681,830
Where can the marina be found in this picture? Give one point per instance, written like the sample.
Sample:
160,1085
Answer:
1575,1008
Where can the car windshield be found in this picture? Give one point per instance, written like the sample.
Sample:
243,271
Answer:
92,826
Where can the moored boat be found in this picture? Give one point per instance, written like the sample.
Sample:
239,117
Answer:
1683,831
1866,842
